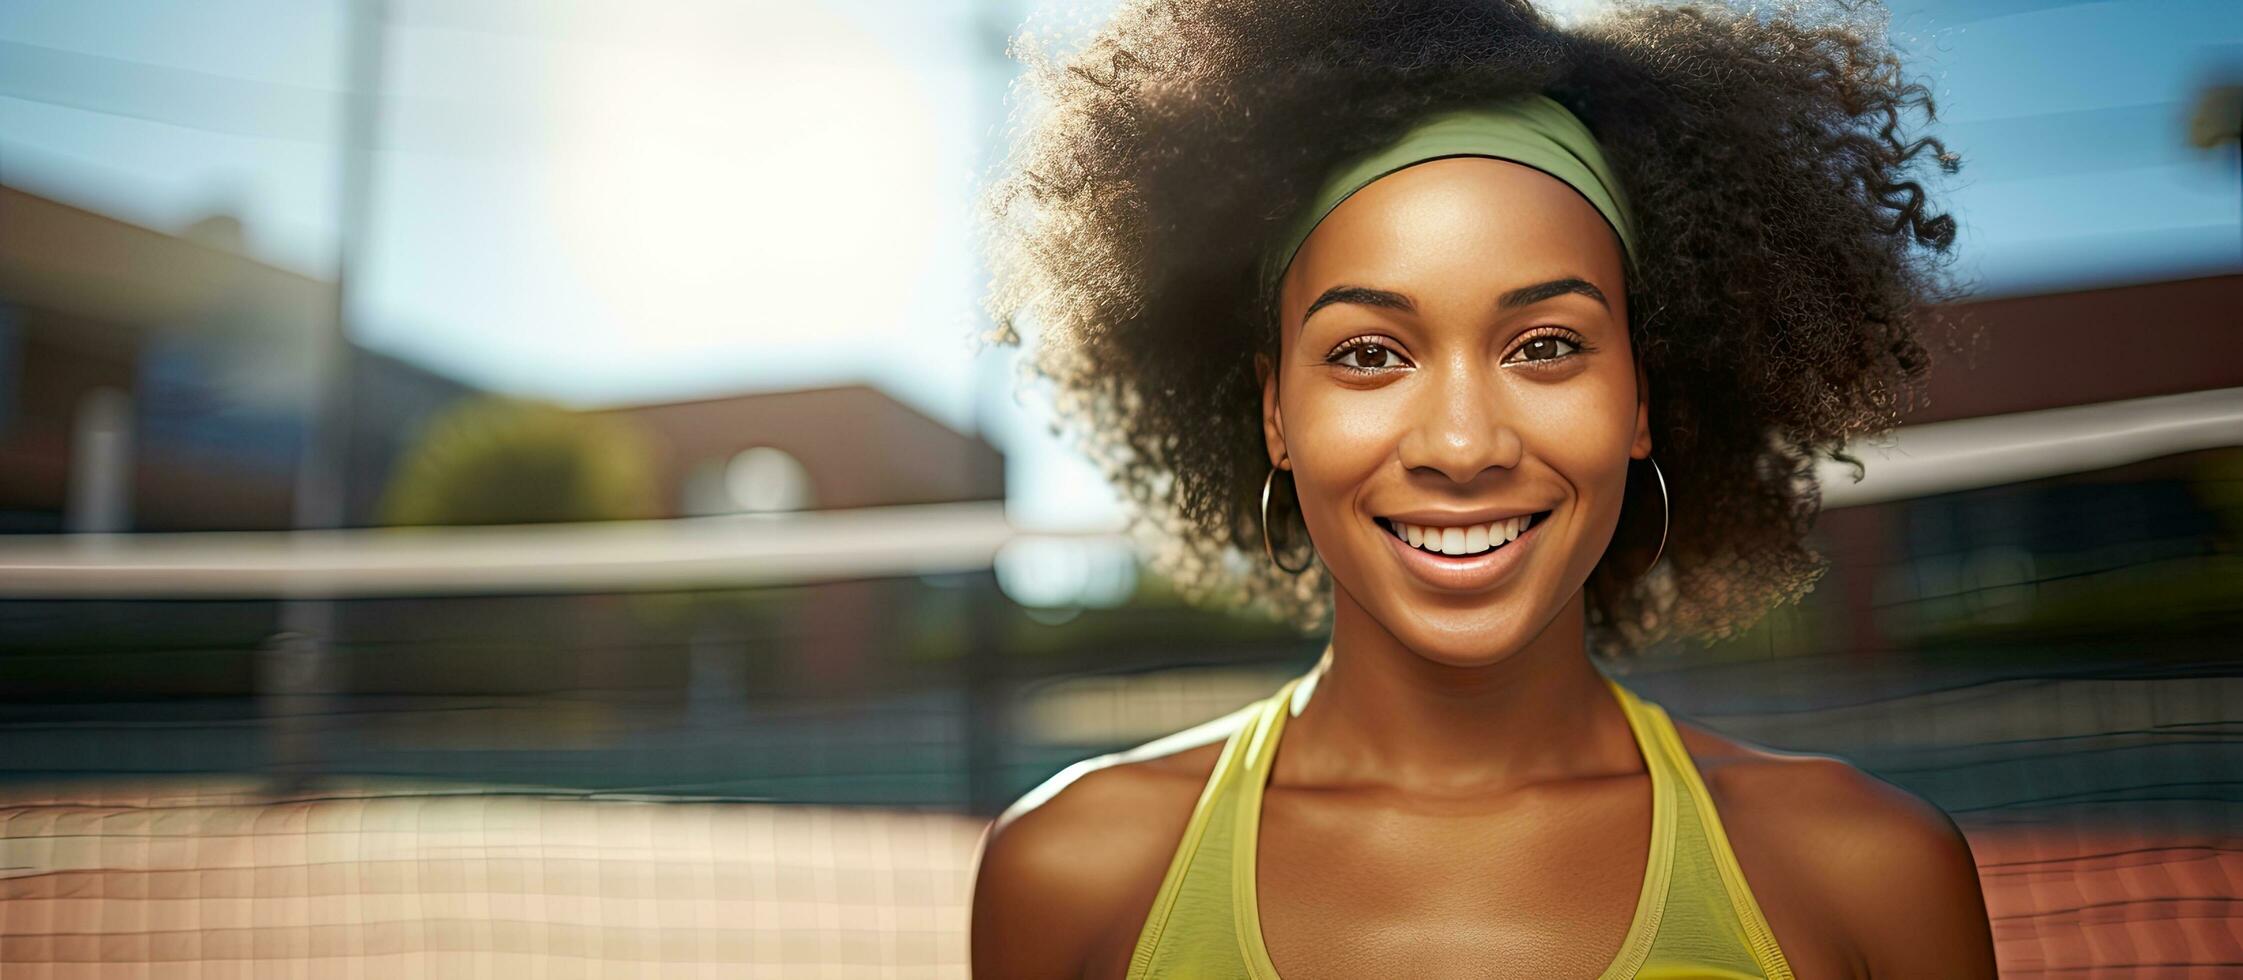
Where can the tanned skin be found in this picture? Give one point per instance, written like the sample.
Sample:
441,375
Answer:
1460,781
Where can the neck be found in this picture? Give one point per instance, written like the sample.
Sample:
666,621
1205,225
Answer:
1382,714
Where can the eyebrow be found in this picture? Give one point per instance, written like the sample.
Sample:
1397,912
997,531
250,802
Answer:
1388,299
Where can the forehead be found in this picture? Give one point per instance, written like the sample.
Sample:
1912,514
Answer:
1455,233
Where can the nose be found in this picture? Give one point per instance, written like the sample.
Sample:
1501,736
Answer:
1459,425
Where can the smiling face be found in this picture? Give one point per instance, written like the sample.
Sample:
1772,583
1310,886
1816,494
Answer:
1455,355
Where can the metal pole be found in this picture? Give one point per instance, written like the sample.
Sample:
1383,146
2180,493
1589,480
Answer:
297,669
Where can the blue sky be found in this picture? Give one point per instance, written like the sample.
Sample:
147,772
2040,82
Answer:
603,202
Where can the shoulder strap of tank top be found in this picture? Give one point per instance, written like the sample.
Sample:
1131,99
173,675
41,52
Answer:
1254,771
1229,765
1651,901
1757,934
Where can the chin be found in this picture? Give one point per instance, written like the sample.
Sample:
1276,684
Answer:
1463,638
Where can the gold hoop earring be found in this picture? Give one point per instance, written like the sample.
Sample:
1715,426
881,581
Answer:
1266,548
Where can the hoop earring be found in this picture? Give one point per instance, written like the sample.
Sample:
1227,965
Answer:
1665,514
1266,548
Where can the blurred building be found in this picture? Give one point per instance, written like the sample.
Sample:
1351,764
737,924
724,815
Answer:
816,449
158,381
2087,346
154,381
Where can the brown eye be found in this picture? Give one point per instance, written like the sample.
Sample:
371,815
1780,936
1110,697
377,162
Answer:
1365,355
1546,349
1368,356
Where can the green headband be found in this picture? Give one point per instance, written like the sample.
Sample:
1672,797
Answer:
1533,130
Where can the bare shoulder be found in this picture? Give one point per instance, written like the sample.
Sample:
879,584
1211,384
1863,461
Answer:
1884,867
1074,864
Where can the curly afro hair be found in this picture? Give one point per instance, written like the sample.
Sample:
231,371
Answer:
1791,252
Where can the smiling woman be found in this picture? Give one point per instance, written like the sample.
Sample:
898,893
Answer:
1382,311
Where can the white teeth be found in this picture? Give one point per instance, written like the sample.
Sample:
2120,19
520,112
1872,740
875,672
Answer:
1469,540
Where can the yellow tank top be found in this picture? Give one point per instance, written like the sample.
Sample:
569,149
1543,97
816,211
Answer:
1695,918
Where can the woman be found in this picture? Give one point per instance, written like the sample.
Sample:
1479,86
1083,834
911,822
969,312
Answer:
1382,311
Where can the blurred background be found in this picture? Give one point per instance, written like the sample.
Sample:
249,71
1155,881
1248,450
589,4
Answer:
493,486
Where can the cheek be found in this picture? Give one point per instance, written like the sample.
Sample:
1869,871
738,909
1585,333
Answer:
1343,438
1580,430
